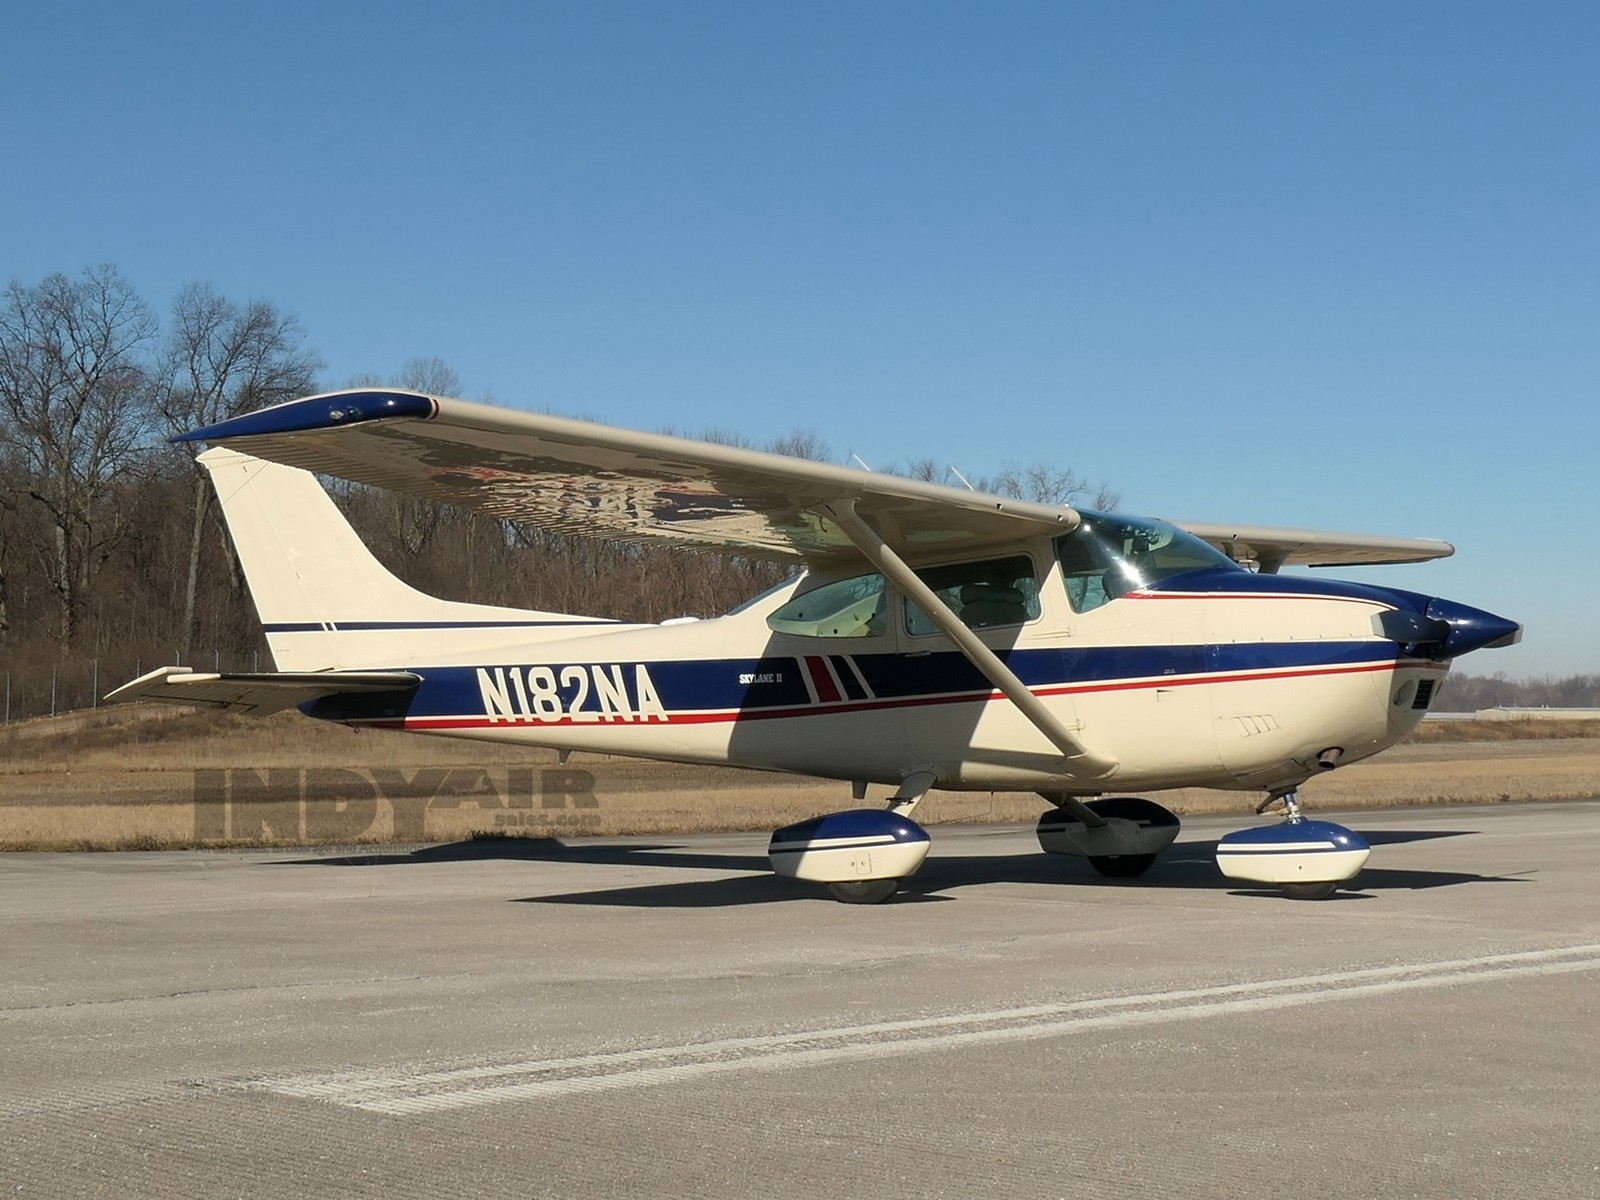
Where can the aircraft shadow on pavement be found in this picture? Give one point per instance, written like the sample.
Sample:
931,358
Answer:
1399,837
1189,866
520,849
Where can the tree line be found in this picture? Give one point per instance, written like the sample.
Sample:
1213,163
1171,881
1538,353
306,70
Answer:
1471,693
113,554
114,557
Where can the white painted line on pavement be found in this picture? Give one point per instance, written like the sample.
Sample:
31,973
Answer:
419,1089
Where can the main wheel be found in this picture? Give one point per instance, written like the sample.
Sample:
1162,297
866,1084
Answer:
864,891
1309,891
1122,866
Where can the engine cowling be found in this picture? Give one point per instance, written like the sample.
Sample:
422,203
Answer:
843,847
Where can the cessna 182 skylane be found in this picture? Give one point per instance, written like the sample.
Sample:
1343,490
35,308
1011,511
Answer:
936,638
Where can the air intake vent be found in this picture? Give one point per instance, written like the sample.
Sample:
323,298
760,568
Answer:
1424,693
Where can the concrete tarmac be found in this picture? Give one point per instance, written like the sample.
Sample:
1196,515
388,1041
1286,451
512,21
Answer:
660,1016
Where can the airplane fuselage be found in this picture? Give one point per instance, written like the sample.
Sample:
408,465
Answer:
1216,677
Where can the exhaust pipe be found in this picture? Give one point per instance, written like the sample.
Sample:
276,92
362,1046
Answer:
1328,759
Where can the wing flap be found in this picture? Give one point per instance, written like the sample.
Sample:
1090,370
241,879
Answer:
255,694
578,477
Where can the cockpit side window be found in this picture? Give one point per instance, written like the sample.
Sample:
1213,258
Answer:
845,608
997,591
1107,556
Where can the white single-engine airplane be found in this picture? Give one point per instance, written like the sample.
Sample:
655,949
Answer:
937,637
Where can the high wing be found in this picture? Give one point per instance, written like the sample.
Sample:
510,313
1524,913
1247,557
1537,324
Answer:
597,480
256,694
583,478
1274,548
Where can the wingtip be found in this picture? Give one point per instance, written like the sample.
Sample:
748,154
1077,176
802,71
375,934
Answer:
332,410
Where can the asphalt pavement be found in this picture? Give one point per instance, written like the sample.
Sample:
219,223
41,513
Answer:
661,1016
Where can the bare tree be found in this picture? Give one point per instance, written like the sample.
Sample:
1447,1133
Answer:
223,359
74,408
11,517
1046,483
431,375
718,435
927,470
802,443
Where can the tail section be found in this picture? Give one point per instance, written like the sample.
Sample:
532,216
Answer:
326,603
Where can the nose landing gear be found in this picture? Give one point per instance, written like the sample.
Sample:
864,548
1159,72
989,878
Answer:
1307,859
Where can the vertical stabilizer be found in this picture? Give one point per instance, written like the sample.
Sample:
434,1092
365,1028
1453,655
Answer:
327,603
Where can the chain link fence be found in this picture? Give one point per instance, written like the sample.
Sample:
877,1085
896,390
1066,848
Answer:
73,685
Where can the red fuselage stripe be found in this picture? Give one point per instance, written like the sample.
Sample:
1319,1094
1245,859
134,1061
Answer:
709,718
822,678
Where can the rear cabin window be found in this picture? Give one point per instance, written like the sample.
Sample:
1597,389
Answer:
997,591
845,608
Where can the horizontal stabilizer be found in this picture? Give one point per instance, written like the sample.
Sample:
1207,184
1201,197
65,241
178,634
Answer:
256,694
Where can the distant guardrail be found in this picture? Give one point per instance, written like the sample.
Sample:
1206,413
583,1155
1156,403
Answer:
1519,714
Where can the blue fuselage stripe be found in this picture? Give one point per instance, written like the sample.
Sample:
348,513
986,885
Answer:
777,684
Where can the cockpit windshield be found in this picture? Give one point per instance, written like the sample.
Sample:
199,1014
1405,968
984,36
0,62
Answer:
1108,556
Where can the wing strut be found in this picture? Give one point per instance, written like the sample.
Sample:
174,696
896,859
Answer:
866,539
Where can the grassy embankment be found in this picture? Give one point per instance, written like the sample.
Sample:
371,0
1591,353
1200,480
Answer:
144,777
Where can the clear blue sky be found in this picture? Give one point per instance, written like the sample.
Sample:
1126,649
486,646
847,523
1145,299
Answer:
1330,265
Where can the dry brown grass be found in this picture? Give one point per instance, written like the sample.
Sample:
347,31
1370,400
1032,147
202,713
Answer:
1531,730
133,738
127,779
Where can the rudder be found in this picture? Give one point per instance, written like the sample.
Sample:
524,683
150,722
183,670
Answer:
326,602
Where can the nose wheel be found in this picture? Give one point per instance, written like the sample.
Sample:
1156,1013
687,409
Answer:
864,891
1309,891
